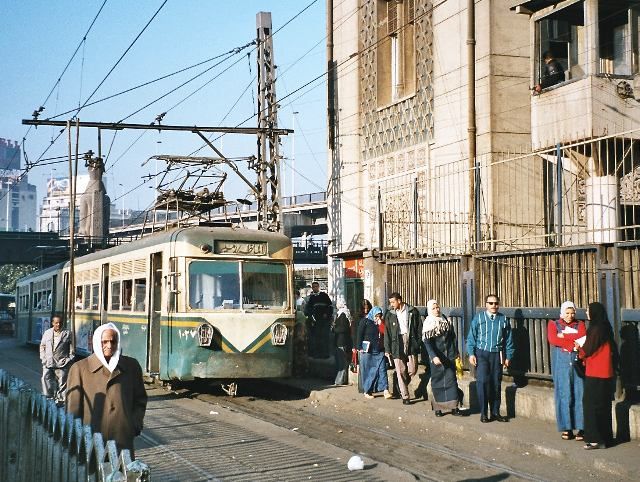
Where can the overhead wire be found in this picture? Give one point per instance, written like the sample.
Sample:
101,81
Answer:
123,55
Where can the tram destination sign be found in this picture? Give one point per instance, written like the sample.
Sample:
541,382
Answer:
245,248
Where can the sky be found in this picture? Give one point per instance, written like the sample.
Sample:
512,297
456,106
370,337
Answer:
39,37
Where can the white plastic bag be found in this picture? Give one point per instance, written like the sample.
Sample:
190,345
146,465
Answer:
355,463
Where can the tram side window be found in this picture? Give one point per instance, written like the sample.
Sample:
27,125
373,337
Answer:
264,285
86,297
95,292
127,292
140,285
214,285
115,295
78,297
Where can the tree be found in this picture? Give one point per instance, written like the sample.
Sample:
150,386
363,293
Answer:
10,273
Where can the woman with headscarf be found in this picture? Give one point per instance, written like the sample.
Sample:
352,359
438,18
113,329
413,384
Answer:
371,348
567,384
599,353
343,343
439,338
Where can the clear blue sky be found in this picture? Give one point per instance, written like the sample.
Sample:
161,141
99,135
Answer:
37,40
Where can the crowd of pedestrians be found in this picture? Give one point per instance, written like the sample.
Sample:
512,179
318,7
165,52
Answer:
397,337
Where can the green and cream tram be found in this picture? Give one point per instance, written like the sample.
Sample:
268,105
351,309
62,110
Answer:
198,302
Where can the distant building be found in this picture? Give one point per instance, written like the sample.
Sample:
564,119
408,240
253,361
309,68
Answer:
54,211
18,199
9,155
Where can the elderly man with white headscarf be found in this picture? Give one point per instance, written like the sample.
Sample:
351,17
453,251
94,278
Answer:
439,339
567,384
106,390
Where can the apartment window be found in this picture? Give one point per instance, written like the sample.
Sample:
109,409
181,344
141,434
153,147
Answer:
562,37
618,38
396,58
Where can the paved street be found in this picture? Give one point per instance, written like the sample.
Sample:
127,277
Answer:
270,432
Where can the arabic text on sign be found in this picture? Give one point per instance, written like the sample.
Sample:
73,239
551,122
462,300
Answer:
255,249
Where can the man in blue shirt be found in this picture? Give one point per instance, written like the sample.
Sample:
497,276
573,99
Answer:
490,346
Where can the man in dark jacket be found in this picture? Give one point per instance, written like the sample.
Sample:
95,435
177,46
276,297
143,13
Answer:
402,341
106,390
319,313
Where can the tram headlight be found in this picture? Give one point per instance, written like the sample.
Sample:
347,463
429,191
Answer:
205,334
279,332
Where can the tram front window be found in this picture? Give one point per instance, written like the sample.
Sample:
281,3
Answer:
264,285
214,285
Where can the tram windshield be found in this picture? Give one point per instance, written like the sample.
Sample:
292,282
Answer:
215,285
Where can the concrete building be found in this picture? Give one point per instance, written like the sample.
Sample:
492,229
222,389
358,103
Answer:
400,124
18,200
54,211
460,127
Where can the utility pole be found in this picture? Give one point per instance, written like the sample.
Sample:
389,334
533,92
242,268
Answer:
268,162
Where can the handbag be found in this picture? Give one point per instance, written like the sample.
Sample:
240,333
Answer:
459,368
578,364
353,366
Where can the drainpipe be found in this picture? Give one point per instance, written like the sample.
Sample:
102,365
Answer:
474,173
330,79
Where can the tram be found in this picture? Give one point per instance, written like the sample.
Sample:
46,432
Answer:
190,303
7,313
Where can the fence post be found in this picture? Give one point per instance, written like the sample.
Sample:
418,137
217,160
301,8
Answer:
12,430
609,293
468,299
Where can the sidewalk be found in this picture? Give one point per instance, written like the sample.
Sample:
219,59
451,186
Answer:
531,429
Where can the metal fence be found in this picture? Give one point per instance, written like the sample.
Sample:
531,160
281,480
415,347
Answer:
532,285
42,442
571,194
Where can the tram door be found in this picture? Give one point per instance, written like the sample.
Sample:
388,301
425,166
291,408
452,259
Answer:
155,309
104,302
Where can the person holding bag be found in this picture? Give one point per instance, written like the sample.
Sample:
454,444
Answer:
600,354
439,338
372,359
567,382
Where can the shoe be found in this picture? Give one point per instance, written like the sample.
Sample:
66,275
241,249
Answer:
580,436
499,418
406,401
484,419
456,412
439,413
368,396
594,446
567,435
387,394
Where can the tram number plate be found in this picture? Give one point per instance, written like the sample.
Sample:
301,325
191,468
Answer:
241,247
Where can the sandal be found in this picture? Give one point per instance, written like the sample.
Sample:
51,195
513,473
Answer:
580,436
567,435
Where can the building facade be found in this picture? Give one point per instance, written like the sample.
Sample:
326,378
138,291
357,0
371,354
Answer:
401,113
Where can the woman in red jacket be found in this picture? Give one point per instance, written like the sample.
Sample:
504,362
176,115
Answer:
599,353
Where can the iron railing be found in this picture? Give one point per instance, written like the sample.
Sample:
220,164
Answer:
574,193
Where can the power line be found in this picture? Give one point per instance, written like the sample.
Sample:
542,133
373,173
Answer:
123,55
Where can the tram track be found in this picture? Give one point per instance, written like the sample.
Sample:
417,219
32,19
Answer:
424,460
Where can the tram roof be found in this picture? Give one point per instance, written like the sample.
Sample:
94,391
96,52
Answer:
191,234
183,234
